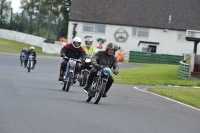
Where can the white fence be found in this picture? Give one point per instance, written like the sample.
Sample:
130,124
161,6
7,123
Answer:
31,40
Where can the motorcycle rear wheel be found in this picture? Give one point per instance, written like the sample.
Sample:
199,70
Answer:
100,92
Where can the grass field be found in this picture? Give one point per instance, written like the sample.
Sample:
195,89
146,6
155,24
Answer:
149,74
9,46
190,96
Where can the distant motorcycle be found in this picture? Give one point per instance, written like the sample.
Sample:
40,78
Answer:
22,57
98,86
30,62
68,76
85,69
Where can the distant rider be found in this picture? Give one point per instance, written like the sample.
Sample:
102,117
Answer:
106,59
22,55
72,50
32,52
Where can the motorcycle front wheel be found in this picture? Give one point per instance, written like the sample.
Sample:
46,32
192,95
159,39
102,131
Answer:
99,92
29,66
69,80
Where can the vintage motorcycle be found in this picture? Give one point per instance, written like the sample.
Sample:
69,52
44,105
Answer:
68,75
85,69
22,57
30,62
98,86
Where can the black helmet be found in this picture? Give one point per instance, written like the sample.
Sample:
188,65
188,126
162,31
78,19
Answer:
111,46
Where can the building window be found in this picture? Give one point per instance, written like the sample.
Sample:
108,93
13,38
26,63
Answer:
140,32
96,28
181,36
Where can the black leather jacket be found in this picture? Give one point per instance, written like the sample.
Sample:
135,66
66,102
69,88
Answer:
33,53
104,59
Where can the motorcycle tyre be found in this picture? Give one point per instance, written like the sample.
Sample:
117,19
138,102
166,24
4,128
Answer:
69,80
99,93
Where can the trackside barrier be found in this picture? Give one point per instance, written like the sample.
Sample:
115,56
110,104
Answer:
184,70
126,55
147,57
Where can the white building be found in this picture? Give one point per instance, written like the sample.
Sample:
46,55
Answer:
137,25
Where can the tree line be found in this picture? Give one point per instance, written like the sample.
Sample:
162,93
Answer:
44,12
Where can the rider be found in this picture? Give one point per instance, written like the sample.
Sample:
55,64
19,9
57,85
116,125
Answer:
33,53
22,55
89,50
72,50
103,58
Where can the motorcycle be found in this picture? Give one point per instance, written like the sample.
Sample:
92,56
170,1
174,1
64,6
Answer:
22,58
98,86
85,69
30,62
68,75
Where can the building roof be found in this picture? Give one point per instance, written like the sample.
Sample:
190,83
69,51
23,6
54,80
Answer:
185,14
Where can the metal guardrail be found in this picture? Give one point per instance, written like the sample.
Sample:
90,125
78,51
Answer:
184,70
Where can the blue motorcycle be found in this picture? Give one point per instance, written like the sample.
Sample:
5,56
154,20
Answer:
98,86
68,76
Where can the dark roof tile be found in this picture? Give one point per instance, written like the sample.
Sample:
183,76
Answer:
144,13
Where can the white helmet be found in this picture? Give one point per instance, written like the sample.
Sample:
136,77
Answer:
32,48
76,40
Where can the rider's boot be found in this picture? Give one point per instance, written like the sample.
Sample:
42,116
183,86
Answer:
61,76
86,88
108,85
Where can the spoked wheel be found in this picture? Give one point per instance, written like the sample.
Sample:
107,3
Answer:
81,79
85,74
69,79
99,92
29,66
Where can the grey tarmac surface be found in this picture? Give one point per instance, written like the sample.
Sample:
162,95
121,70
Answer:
34,103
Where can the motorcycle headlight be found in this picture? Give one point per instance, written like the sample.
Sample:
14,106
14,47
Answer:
72,63
106,71
88,60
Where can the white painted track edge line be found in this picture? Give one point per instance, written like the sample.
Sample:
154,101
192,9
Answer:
167,98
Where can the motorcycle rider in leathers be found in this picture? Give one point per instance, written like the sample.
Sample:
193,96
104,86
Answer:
33,53
72,50
106,59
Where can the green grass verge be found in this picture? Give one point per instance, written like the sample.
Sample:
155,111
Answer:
153,74
9,46
190,96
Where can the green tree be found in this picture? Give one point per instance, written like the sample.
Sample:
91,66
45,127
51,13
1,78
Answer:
4,11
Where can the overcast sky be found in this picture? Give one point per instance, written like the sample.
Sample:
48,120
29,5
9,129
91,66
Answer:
15,5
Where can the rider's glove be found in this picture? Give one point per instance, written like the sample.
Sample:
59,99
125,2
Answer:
115,72
97,66
62,55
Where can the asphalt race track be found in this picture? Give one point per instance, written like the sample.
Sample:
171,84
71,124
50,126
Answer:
34,103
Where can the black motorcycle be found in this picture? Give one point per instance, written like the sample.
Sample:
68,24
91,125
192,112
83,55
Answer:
85,69
30,62
98,86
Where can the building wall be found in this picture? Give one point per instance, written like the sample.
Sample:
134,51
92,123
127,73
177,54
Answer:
168,43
